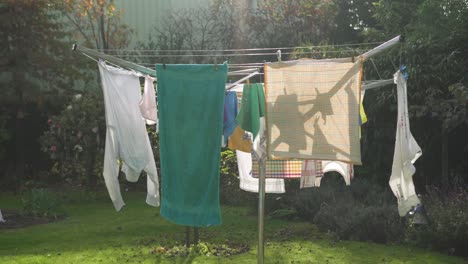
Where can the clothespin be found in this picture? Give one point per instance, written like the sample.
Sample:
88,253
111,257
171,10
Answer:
278,55
403,71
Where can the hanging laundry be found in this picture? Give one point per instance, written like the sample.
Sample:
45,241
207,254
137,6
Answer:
190,100
249,183
252,108
362,112
344,169
314,171
244,163
230,113
240,140
126,136
312,109
311,169
148,103
282,169
407,151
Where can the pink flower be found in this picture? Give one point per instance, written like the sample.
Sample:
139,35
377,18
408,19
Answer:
49,121
53,148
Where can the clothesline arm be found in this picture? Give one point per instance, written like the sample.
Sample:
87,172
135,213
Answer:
382,47
114,60
134,66
241,80
377,84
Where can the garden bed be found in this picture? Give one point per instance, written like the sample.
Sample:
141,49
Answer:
17,219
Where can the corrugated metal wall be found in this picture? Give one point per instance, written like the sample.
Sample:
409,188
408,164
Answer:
143,15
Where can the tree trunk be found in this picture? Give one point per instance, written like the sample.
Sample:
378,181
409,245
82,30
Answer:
92,180
444,157
19,135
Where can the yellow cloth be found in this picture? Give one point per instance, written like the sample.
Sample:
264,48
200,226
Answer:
362,113
238,142
312,109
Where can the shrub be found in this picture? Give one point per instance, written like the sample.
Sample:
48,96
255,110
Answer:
447,228
43,203
352,220
230,193
362,211
75,141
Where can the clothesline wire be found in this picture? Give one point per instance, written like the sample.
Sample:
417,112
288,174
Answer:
230,55
235,50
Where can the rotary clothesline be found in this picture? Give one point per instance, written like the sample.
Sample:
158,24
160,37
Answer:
138,67
252,70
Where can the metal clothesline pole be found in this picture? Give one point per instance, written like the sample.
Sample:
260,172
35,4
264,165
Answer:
261,211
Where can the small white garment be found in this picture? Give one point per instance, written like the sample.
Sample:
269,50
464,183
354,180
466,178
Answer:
126,136
345,169
147,104
311,169
1,218
311,176
244,163
407,151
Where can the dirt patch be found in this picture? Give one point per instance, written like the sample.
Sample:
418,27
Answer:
202,249
15,219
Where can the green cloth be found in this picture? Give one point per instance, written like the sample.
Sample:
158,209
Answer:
191,111
252,108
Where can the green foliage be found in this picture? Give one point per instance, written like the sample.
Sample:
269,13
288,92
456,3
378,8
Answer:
5,134
362,211
75,140
230,193
298,21
351,220
366,212
434,52
43,203
447,230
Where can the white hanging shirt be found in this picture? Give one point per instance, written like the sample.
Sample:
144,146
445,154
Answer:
244,163
147,104
126,136
407,151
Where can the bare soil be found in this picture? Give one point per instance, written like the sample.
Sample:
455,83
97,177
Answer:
16,219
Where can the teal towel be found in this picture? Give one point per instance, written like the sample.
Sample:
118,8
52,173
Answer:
191,107
252,108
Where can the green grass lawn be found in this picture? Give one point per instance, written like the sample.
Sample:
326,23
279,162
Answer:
94,233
